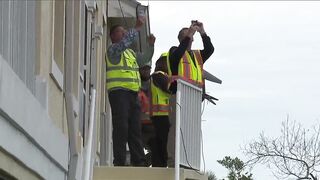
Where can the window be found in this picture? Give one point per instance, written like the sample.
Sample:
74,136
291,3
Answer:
77,47
18,42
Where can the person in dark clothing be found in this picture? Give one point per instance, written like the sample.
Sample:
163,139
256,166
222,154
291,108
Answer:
160,112
144,92
185,38
146,123
181,59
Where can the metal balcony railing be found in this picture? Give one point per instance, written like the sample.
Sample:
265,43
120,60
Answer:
188,126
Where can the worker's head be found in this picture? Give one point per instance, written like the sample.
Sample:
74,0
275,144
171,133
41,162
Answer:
161,64
182,34
117,32
145,72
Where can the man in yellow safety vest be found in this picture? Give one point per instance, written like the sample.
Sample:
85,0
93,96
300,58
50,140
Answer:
186,64
123,84
160,95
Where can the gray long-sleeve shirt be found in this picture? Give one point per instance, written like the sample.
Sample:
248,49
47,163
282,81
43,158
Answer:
114,51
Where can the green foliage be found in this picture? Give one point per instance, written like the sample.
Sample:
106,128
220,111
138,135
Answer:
211,175
236,168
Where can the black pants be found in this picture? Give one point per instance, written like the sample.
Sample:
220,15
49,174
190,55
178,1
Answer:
159,148
126,124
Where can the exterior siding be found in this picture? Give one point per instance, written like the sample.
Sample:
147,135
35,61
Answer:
17,34
27,133
32,82
41,129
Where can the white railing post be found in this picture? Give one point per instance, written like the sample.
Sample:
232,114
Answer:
177,141
188,126
88,165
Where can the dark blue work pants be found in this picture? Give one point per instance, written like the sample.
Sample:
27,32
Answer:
126,124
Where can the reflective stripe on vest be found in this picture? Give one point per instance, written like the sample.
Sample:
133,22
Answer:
189,71
125,74
159,108
160,99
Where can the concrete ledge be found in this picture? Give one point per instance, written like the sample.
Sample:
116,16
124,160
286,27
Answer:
143,173
19,147
12,167
191,174
30,120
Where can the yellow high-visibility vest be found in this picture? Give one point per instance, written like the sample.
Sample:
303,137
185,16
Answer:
125,74
187,70
160,99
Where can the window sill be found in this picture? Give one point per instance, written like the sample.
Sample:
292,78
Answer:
56,74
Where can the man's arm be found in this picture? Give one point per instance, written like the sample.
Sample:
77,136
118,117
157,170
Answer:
146,57
161,81
176,53
115,50
207,45
208,48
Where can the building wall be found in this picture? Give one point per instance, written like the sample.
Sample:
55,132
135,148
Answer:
100,25
34,125
12,166
50,69
34,133
35,148
26,131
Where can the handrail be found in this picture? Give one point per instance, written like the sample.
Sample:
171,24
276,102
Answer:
177,140
183,105
88,164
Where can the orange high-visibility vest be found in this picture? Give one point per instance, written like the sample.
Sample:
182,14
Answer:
145,107
187,70
191,72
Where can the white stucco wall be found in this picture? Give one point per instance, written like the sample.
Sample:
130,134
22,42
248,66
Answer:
26,131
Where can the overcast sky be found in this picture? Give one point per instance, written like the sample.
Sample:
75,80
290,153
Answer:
267,54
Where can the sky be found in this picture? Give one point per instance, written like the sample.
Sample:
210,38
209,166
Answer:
267,54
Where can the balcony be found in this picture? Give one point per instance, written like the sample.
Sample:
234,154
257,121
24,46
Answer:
138,173
187,144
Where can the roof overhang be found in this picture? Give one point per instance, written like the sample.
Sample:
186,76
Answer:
122,8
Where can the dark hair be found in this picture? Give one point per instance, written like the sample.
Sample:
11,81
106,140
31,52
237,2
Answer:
113,28
180,33
161,64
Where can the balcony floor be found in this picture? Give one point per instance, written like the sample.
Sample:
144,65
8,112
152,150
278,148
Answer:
143,173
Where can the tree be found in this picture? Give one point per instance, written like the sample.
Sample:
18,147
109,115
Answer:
211,175
296,153
236,168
